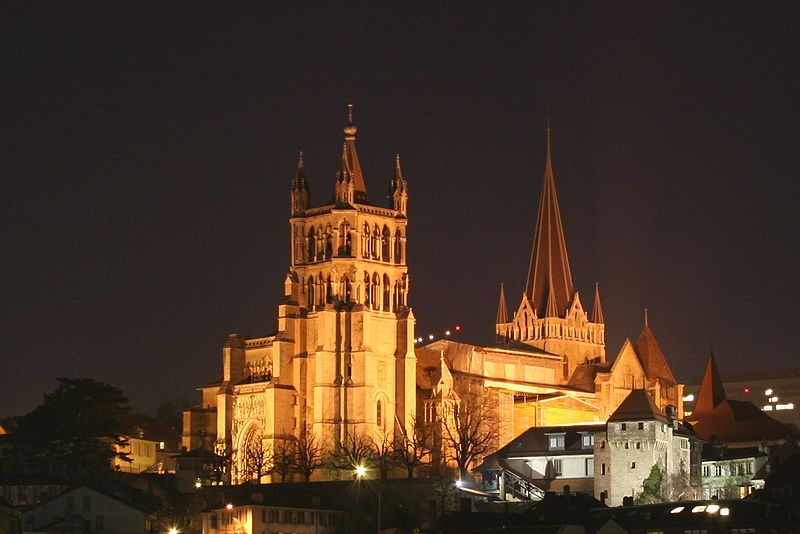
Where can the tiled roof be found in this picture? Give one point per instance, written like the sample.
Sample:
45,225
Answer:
638,406
652,358
737,421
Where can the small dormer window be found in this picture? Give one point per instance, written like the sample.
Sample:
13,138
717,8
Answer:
555,442
587,441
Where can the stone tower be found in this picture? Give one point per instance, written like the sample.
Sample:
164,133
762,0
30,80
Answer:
342,361
346,304
550,315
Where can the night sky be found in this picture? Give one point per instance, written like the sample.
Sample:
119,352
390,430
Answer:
148,152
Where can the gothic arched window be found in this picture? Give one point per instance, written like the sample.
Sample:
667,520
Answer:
379,413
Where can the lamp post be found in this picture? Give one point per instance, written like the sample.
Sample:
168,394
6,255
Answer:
361,472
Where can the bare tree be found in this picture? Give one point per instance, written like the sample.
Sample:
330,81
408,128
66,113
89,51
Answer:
383,454
353,451
257,458
283,458
469,426
410,448
308,454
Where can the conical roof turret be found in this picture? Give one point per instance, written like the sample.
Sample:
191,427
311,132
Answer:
549,271
712,391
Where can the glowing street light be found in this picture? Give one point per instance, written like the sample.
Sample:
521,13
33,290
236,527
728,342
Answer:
173,530
361,471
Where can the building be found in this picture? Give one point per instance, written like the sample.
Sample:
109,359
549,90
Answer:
543,459
776,392
254,518
343,360
740,438
83,509
143,455
639,435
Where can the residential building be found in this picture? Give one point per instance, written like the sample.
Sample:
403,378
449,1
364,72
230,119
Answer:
82,509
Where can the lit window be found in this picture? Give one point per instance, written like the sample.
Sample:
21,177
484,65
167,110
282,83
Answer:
587,441
768,392
717,470
706,470
712,508
589,466
557,468
676,510
555,442
698,509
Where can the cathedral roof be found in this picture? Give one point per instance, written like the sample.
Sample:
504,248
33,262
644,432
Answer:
712,392
549,275
638,406
653,360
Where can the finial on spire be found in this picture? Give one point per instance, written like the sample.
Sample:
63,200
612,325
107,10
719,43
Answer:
349,113
645,318
300,160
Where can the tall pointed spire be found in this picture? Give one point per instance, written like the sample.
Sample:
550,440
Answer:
502,309
712,392
352,157
597,309
549,270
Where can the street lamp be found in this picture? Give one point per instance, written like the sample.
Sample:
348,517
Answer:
361,471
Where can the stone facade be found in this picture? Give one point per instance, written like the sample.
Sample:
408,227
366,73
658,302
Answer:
637,437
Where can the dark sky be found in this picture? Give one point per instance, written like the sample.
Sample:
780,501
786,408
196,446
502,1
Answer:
148,153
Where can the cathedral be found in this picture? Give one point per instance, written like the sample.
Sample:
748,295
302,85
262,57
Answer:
344,361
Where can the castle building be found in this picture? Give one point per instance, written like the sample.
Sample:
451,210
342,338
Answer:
343,358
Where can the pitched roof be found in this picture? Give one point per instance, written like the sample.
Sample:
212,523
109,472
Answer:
712,391
653,360
549,270
535,440
638,406
738,421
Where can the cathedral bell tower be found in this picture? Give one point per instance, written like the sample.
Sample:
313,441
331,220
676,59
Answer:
346,304
550,315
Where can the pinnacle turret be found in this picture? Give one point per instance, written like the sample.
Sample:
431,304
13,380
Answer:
597,309
300,190
399,188
502,309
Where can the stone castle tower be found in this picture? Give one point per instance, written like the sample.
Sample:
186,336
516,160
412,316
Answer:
550,315
342,361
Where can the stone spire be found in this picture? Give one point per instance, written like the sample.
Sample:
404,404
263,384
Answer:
345,185
549,271
300,190
502,309
399,188
712,392
597,309
352,157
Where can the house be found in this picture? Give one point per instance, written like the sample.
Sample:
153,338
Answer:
83,509
541,460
